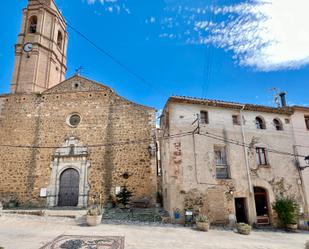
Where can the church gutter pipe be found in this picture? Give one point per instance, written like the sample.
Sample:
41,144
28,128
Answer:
245,149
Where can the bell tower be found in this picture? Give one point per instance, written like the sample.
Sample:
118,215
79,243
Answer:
40,52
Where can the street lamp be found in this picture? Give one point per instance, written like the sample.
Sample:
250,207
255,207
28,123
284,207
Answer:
307,162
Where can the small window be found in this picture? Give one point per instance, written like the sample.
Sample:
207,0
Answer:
307,122
287,120
261,156
260,124
204,117
278,124
59,40
236,119
33,22
74,120
222,169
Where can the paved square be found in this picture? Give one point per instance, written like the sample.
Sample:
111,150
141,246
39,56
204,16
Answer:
33,232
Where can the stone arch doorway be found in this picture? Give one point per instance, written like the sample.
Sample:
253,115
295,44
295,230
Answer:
72,155
261,206
69,188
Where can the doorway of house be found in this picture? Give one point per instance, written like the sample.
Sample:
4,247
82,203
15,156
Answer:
261,205
69,188
241,210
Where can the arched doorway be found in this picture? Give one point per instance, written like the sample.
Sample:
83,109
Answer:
69,188
262,206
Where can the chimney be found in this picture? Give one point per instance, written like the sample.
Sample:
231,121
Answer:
283,99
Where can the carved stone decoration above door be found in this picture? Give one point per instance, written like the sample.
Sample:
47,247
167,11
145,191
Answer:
72,155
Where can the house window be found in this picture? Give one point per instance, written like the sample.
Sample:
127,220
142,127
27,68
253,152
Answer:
260,124
287,120
261,156
33,22
236,120
204,117
222,169
59,39
278,124
307,122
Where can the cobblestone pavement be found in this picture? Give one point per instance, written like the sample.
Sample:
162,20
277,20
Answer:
33,232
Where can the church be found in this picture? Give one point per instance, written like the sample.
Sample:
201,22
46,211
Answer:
68,142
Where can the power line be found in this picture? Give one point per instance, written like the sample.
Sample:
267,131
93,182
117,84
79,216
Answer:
179,135
109,55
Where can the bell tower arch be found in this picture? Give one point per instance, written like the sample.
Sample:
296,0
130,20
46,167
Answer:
41,48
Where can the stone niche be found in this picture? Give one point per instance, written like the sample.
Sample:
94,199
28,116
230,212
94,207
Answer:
72,155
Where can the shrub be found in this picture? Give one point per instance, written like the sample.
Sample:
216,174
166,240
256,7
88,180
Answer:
94,211
201,218
124,196
287,210
243,228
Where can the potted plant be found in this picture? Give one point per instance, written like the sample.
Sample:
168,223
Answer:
287,211
202,222
243,228
124,197
94,215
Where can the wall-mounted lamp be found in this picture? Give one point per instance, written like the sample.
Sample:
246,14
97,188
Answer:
307,162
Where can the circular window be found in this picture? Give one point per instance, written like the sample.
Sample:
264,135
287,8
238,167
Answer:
74,120
126,176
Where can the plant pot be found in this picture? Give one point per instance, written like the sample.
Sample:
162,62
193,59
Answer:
93,220
292,226
203,226
243,229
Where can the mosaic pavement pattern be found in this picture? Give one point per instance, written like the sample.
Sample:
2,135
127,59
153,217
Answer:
86,242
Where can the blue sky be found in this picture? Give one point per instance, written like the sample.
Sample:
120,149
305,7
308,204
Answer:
218,49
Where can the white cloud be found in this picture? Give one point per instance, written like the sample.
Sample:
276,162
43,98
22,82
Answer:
263,34
111,6
268,35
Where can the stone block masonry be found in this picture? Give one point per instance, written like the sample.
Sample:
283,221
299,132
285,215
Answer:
116,133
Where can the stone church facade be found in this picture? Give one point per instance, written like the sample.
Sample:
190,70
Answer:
72,142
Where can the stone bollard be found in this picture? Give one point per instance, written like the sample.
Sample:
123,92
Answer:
307,245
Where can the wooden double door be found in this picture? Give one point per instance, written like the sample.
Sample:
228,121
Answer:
69,188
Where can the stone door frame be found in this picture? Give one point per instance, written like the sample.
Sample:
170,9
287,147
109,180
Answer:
71,156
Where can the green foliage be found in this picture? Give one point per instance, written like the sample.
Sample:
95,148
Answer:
286,209
201,218
124,196
95,211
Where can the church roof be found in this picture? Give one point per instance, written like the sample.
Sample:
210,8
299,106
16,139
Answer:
78,84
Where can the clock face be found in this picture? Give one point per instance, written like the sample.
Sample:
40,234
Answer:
28,47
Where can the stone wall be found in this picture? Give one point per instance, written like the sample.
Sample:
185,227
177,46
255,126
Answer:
189,166
116,132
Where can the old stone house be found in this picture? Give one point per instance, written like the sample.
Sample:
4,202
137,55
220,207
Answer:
300,123
68,142
228,160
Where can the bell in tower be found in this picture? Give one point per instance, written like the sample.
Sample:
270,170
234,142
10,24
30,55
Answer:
40,52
